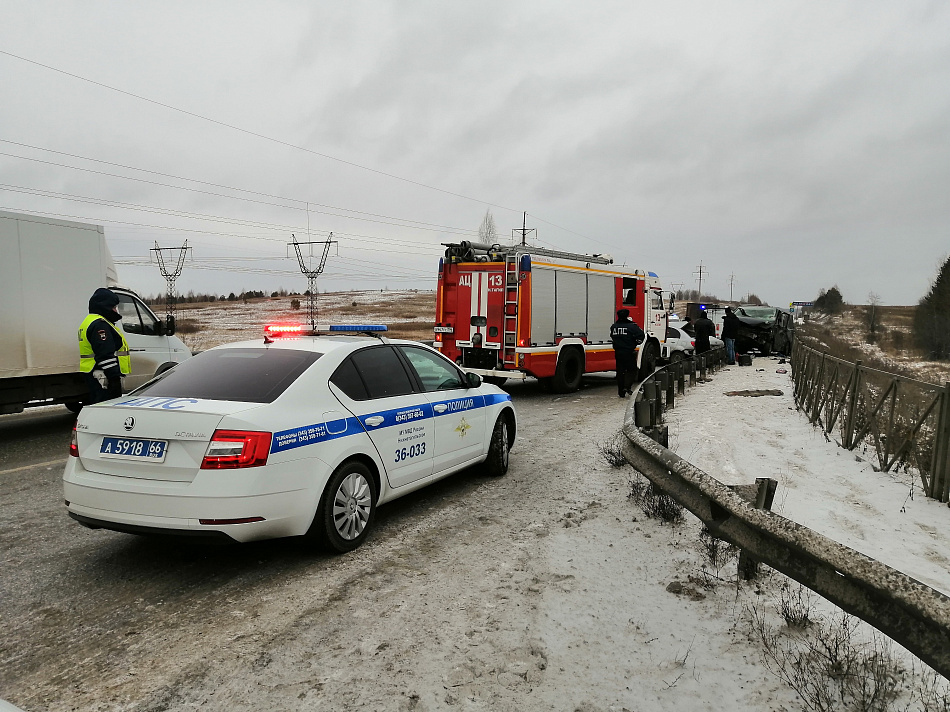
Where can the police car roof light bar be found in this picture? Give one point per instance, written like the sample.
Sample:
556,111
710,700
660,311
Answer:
285,330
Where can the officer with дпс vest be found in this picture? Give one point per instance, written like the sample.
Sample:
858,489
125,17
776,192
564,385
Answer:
626,335
103,351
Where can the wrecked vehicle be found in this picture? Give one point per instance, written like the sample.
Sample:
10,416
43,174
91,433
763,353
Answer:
765,329
762,329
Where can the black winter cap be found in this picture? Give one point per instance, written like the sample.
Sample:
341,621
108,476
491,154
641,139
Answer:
102,301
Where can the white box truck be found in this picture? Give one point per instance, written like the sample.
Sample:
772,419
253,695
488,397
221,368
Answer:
48,270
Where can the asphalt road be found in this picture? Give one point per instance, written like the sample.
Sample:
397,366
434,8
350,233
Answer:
98,619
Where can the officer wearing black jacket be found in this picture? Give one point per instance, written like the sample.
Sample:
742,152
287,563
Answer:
103,350
704,329
626,336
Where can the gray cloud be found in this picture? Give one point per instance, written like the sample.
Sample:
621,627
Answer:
793,144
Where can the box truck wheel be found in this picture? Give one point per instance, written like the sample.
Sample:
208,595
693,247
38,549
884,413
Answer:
567,375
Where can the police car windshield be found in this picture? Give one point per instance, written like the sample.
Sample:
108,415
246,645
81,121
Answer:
244,375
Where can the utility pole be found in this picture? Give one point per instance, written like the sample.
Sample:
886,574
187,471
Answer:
700,271
524,230
311,272
732,279
170,273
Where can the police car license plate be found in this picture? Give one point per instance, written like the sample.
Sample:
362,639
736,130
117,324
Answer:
134,449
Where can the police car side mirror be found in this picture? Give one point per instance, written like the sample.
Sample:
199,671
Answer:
170,325
473,380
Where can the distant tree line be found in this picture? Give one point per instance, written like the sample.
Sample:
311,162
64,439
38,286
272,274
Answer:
932,318
829,301
192,298
931,326
692,295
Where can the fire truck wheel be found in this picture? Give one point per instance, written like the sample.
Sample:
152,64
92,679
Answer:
496,464
567,375
648,364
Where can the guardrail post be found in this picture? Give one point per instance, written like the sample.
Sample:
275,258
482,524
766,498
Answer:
692,371
650,397
681,377
749,565
702,367
670,390
940,462
848,426
817,389
642,414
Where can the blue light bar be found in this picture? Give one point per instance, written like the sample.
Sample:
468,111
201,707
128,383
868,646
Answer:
358,327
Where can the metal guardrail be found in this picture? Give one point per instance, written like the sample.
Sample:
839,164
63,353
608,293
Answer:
910,612
904,420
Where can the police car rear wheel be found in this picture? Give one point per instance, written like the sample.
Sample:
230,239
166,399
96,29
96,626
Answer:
346,510
496,464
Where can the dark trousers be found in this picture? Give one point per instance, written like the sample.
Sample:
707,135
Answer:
97,393
626,370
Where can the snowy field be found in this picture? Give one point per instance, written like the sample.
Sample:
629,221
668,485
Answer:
822,486
408,313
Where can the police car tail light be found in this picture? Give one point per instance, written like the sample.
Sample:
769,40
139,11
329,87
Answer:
74,444
230,449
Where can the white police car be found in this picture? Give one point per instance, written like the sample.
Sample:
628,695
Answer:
289,436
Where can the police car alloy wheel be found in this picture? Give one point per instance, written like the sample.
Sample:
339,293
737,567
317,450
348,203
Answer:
346,510
496,464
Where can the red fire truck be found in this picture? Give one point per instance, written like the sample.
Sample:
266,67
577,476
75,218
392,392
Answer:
512,312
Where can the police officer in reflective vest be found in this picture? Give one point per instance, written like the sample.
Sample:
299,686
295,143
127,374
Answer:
626,336
103,351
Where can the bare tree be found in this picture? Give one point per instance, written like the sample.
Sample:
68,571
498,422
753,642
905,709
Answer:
872,318
487,232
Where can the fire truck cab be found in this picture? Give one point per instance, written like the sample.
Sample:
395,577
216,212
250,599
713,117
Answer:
518,311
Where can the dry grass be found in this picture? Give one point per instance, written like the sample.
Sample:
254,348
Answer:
409,314
845,336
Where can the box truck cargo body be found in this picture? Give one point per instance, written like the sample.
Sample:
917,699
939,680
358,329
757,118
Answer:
48,271
512,312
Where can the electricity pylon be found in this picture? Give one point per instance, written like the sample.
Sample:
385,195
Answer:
311,272
170,274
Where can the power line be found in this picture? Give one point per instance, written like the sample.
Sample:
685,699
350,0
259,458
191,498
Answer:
417,224
175,213
249,132
132,261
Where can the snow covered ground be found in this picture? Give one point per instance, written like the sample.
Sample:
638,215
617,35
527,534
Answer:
822,486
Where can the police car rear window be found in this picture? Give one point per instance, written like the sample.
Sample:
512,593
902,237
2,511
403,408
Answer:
243,375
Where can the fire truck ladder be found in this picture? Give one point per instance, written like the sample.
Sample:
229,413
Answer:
510,336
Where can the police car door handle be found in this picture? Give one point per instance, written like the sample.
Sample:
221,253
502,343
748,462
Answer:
440,408
374,420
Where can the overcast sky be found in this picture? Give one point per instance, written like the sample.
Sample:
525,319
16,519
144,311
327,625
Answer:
789,146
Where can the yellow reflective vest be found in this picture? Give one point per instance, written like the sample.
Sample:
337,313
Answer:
87,358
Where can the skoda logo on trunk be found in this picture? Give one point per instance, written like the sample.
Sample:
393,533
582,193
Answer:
129,423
